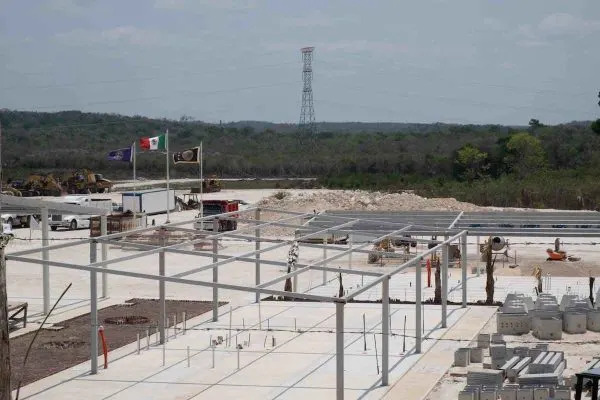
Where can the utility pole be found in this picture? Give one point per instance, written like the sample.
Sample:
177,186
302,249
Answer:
5,391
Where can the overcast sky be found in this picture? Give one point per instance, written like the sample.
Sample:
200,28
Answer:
478,61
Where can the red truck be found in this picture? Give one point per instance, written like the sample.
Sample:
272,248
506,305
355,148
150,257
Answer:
215,207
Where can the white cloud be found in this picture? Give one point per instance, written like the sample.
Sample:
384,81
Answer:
567,24
314,19
555,26
199,5
128,35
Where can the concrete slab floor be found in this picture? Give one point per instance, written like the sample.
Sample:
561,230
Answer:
297,366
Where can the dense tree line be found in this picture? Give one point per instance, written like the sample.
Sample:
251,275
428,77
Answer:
536,165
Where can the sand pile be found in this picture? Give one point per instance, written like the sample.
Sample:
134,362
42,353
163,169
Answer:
360,200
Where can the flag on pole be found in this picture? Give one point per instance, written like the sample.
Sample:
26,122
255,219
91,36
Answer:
153,143
121,155
189,156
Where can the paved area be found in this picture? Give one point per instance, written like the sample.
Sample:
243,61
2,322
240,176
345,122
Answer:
294,359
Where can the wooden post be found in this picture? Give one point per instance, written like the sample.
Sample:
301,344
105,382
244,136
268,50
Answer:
5,392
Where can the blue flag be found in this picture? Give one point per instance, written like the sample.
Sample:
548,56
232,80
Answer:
121,155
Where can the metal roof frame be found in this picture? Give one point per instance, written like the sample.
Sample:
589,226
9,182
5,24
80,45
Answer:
28,205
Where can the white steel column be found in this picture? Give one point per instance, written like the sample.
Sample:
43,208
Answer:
324,258
215,249
350,247
162,318
257,256
463,265
45,257
339,350
444,284
93,311
418,308
385,330
104,249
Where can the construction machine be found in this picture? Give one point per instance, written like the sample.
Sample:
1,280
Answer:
210,185
37,185
85,181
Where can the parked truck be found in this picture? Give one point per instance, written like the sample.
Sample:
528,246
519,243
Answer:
215,207
16,220
73,222
151,201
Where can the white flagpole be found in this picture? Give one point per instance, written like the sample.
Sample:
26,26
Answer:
201,205
168,191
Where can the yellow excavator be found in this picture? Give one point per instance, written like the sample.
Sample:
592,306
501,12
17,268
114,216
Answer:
86,181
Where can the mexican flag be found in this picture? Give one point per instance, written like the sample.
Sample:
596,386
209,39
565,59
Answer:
153,143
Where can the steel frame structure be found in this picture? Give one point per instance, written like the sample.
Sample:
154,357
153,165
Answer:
451,226
303,231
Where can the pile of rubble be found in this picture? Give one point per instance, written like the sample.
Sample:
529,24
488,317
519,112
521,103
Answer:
321,200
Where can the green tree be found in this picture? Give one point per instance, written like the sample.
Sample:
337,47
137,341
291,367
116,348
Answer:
471,163
596,126
525,154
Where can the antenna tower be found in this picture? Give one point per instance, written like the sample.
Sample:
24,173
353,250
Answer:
307,113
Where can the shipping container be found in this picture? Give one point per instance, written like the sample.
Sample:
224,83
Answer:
152,201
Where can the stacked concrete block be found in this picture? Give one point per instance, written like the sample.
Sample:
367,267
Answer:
513,372
488,394
462,395
550,379
574,322
483,340
462,357
474,389
476,355
525,394
566,301
483,377
593,320
498,355
562,394
541,394
510,364
498,338
508,393
513,324
547,328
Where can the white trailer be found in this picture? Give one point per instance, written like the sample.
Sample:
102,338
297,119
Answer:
152,201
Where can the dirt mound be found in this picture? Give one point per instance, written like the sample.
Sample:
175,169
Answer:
360,200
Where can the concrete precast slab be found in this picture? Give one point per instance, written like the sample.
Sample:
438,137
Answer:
299,363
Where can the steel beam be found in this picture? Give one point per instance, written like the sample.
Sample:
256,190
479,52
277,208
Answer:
93,312
104,250
162,318
456,220
45,257
257,255
418,308
385,331
215,272
463,266
339,350
324,262
418,258
252,253
225,286
445,284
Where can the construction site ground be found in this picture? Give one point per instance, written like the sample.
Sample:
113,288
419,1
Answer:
300,364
